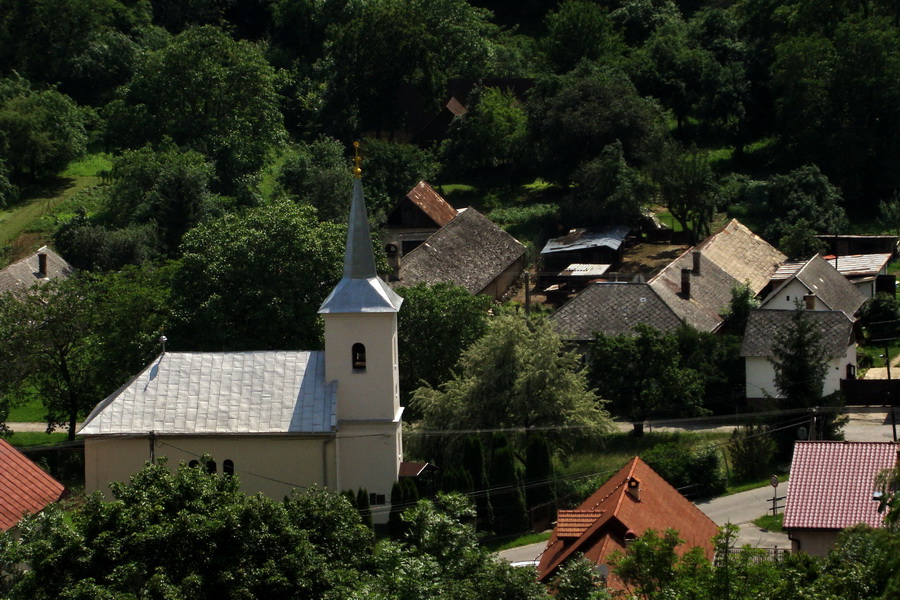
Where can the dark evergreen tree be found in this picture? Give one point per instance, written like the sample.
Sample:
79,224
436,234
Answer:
539,484
364,507
507,498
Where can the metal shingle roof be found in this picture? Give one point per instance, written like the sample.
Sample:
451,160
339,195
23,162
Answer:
831,484
221,393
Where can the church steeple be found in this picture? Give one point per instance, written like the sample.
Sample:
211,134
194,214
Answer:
360,289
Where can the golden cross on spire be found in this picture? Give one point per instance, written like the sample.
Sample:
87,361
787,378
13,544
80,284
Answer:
357,171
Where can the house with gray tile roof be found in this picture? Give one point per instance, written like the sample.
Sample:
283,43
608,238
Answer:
613,309
471,252
280,420
413,220
43,265
818,286
837,336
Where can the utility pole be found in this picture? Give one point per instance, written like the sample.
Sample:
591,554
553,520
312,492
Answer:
527,294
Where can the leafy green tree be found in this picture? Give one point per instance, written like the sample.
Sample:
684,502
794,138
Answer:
390,170
743,300
490,134
539,484
864,563
578,580
40,131
663,385
607,191
319,174
573,117
168,188
70,342
176,16
687,188
8,192
444,312
638,19
798,240
716,358
880,315
682,468
256,281
507,495
93,247
803,194
517,376
752,451
208,93
889,213
578,30
649,568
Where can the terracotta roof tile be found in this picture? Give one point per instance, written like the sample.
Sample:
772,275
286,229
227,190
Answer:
24,487
572,523
831,484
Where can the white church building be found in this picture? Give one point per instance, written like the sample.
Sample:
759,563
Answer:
279,420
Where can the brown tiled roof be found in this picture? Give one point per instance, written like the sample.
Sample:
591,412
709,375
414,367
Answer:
832,483
470,252
24,487
763,327
660,507
23,274
829,286
613,309
431,203
572,523
742,254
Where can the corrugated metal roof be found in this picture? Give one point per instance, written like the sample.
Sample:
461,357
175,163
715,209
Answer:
579,239
829,286
585,270
431,203
831,484
221,393
24,487
849,265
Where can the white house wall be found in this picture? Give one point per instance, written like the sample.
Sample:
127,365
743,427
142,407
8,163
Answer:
786,298
273,465
761,375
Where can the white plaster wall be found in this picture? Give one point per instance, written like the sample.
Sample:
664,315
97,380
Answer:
273,465
369,455
373,393
787,296
814,543
761,375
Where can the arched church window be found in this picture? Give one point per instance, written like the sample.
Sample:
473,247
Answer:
359,357
228,467
194,464
211,467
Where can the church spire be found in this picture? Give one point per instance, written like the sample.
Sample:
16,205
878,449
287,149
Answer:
360,289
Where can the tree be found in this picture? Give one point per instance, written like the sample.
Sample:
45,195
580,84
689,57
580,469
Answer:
8,192
390,170
889,213
255,281
804,194
743,300
752,451
649,568
687,188
579,30
607,191
318,174
507,496
517,376
40,131
168,188
74,341
490,134
800,362
444,312
208,93
539,484
578,580
573,117
880,315
661,386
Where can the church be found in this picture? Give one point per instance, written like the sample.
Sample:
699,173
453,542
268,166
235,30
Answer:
279,420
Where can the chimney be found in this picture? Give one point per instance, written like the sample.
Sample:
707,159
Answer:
810,300
686,283
634,488
42,264
695,254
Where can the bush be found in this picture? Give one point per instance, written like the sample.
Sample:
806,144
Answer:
694,473
752,452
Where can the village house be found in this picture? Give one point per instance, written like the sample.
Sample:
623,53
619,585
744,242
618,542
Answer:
412,221
837,336
279,420
469,251
832,487
816,285
634,500
43,265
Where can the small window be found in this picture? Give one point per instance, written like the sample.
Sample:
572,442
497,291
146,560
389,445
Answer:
391,250
359,357
788,298
228,467
194,464
211,467
376,499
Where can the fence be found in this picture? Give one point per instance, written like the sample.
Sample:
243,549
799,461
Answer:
753,555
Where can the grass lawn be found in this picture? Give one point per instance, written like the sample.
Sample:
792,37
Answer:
769,522
496,545
33,412
752,485
25,439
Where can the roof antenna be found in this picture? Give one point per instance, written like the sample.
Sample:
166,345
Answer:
162,340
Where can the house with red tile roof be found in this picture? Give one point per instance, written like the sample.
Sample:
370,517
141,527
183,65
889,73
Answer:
25,488
412,221
634,500
831,488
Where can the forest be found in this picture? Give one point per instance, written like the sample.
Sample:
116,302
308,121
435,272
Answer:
193,160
